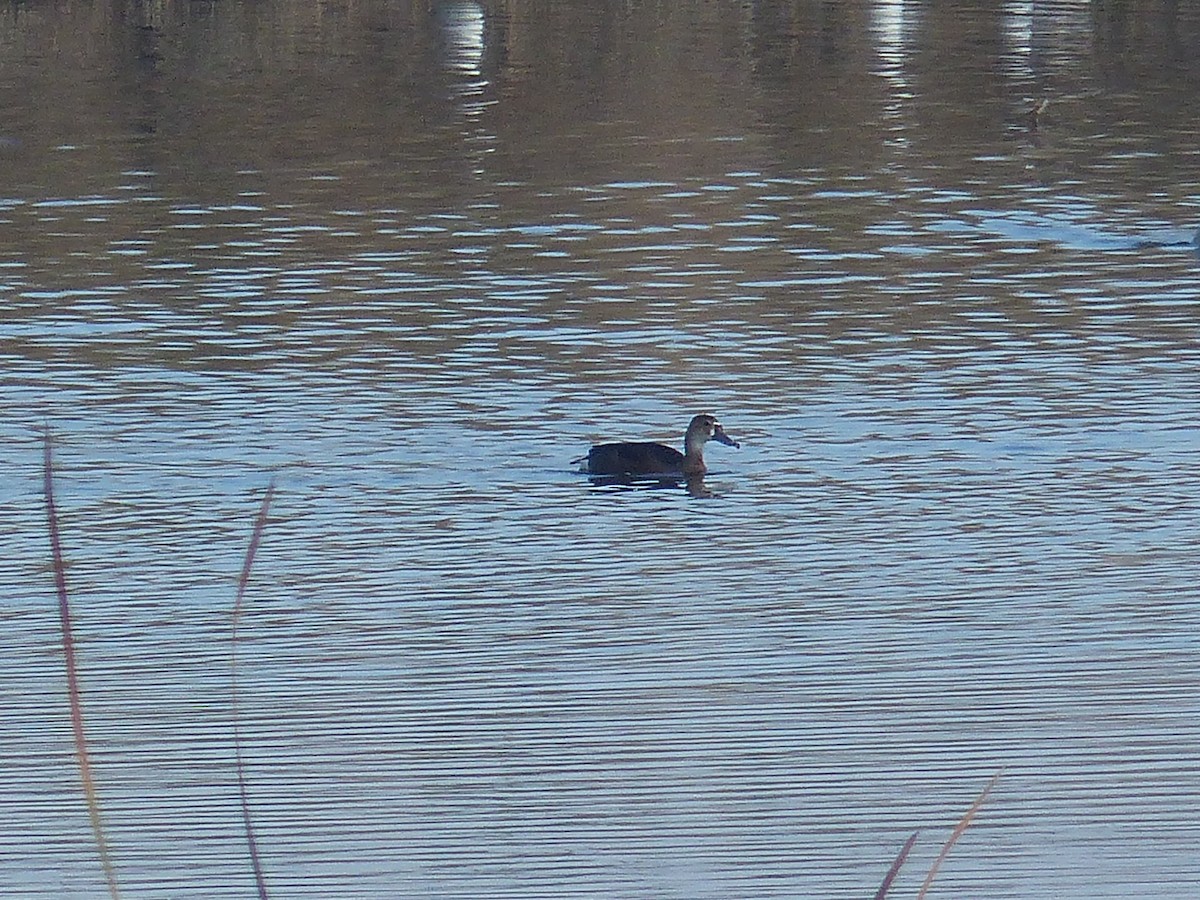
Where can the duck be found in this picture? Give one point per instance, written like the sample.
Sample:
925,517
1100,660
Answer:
641,459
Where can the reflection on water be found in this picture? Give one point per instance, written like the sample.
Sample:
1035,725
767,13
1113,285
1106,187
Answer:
694,485
462,24
411,263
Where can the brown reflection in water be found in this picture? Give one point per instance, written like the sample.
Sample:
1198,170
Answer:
779,180
198,91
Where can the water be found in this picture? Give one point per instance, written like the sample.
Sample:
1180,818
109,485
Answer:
410,264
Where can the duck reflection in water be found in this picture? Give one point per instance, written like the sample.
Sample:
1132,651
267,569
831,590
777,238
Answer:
627,461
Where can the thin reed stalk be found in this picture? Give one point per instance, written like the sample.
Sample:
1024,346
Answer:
961,827
73,693
251,841
896,864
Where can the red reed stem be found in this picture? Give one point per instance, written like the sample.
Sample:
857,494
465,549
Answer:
68,640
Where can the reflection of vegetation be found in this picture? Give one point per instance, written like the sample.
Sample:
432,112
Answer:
68,641
251,842
961,827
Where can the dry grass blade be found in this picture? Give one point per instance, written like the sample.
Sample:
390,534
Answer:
64,612
962,825
896,864
251,842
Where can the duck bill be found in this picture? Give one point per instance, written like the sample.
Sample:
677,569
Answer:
720,435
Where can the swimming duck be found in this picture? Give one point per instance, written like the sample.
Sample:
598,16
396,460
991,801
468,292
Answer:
646,458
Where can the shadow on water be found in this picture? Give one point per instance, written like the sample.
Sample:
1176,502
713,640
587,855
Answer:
693,485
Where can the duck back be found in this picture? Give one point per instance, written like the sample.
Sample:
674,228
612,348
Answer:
634,458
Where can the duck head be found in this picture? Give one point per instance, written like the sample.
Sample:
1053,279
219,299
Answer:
702,429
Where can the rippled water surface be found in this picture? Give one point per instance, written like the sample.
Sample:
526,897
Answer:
409,262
